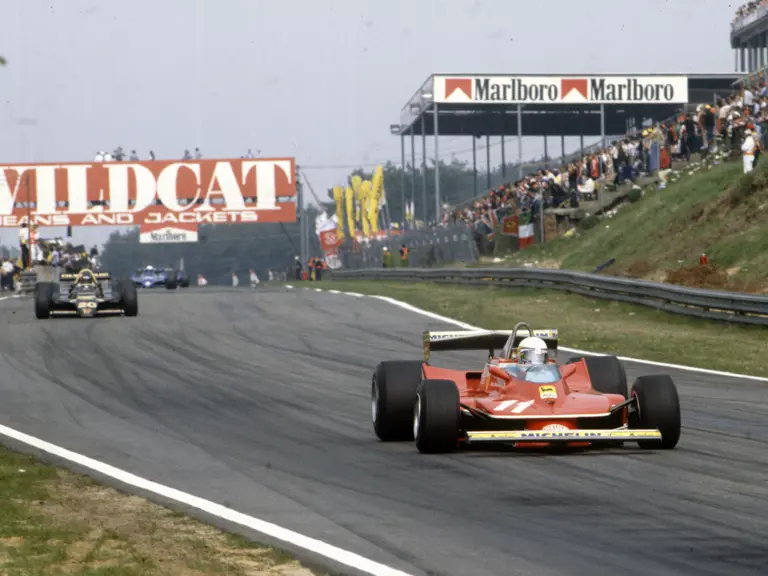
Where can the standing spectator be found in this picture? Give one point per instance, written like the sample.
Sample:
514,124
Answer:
99,157
187,155
748,150
151,155
134,156
198,155
107,157
298,267
8,270
24,245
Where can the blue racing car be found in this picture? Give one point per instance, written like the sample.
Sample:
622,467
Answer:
151,277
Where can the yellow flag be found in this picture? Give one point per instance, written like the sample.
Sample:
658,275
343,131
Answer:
350,197
365,192
356,182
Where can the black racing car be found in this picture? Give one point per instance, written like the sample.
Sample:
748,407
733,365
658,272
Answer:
85,295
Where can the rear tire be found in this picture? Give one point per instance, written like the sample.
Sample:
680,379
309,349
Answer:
130,299
606,373
393,391
43,300
436,417
658,406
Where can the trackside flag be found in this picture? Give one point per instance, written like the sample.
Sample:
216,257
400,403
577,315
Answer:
525,229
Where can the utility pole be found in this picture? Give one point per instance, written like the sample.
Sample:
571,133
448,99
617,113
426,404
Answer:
301,215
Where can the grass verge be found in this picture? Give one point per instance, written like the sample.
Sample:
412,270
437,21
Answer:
719,211
594,325
55,522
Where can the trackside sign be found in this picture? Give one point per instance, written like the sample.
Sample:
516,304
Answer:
561,89
158,193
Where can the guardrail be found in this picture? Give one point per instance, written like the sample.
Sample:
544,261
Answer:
733,307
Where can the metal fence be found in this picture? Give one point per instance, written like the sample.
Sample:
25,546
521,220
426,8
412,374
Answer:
428,247
715,305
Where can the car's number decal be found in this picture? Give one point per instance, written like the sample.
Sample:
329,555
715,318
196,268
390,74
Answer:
519,408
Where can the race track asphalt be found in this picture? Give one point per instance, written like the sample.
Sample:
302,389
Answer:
259,400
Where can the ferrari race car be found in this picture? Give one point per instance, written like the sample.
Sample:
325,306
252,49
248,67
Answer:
522,397
85,295
150,277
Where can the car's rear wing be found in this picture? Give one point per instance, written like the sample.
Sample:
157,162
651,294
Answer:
490,340
97,275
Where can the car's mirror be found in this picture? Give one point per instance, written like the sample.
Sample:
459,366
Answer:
500,373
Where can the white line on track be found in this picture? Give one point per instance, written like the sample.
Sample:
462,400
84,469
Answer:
447,320
267,528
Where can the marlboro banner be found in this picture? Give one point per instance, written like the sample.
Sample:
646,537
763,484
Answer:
158,192
165,233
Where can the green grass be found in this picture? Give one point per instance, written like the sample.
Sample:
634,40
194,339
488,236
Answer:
56,522
593,325
720,212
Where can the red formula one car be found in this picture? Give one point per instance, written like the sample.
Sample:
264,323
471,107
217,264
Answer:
522,397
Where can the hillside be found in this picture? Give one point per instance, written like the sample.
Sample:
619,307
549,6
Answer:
718,211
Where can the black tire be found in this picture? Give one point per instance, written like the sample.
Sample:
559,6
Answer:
43,300
393,392
606,373
184,282
658,406
172,281
130,298
436,417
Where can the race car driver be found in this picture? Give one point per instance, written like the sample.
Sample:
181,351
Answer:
84,278
532,351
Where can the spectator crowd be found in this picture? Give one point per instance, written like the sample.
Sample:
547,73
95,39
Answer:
119,155
749,8
735,125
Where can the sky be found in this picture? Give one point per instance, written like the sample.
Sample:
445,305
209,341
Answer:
318,80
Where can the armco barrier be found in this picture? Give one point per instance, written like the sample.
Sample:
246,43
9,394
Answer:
715,305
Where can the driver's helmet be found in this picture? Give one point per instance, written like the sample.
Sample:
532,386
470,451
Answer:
86,277
532,351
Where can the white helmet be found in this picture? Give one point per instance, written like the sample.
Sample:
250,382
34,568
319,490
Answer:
532,350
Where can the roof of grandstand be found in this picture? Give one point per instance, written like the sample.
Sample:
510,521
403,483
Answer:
570,119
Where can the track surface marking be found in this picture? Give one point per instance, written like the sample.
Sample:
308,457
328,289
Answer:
259,401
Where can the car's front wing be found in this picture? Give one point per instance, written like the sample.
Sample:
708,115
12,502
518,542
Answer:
542,436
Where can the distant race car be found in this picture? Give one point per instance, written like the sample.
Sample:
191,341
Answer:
522,397
85,294
150,277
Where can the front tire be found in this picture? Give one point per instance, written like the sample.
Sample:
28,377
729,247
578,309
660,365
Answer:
658,406
393,391
436,417
130,299
43,300
172,280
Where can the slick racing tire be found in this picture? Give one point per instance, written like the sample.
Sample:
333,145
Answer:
172,281
606,373
43,300
393,391
658,406
184,282
436,417
130,298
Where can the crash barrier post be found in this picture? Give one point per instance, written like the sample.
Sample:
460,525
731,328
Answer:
426,248
733,307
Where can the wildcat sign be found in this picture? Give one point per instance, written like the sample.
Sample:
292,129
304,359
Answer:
163,194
